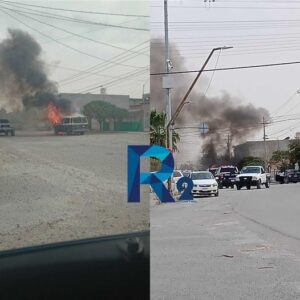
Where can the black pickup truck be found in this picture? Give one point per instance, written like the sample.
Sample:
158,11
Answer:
226,176
6,128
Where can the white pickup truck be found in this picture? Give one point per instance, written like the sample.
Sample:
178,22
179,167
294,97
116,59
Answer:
252,176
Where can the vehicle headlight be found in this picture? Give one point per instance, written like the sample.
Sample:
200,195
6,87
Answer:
214,185
254,178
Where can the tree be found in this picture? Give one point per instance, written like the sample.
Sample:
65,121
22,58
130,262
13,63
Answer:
250,161
294,151
282,158
158,135
103,111
158,130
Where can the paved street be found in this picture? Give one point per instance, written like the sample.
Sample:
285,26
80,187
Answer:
242,245
55,188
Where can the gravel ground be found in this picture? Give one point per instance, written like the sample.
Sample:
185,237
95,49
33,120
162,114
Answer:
65,188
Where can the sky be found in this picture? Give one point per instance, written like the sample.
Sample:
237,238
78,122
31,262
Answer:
261,32
73,49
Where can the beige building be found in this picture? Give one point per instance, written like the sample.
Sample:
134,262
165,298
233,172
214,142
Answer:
139,108
257,148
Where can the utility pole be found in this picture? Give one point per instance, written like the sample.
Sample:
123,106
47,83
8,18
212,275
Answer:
229,141
169,143
265,141
167,86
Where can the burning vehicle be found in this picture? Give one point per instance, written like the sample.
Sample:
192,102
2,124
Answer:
74,124
66,124
25,86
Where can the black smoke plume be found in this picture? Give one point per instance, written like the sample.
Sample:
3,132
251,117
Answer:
24,82
227,117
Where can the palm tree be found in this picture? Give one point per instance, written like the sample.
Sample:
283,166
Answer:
158,134
158,130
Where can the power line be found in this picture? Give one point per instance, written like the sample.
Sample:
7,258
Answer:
213,73
63,44
285,103
130,74
225,7
59,17
246,53
227,21
235,36
69,32
82,77
102,66
88,73
79,11
89,31
230,68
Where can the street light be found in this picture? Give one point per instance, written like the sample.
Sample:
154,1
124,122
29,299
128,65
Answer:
183,101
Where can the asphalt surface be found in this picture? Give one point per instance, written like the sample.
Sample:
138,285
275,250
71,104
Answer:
57,188
240,245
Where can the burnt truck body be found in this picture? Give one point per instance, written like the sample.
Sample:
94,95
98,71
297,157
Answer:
6,128
75,124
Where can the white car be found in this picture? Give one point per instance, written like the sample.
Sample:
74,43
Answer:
204,184
176,176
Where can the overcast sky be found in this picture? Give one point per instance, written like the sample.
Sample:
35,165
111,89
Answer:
261,32
130,77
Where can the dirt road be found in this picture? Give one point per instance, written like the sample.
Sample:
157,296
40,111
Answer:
65,188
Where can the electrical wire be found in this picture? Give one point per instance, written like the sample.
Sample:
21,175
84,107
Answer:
69,32
130,74
99,67
229,68
78,11
213,73
285,103
65,45
82,21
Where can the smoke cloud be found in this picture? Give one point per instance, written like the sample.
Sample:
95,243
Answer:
24,82
226,116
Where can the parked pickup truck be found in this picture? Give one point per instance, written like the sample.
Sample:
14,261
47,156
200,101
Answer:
252,176
6,128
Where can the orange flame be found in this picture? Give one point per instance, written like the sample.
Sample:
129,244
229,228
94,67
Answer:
53,114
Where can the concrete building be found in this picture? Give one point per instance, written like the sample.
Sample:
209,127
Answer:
138,108
257,148
80,100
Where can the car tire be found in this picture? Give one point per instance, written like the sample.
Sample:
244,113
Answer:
238,187
258,185
217,194
286,181
248,187
232,186
12,133
267,184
